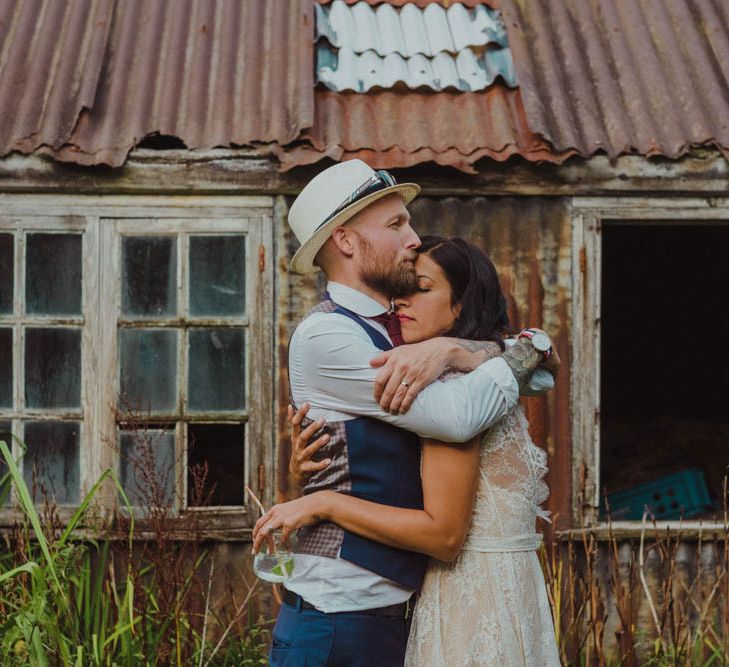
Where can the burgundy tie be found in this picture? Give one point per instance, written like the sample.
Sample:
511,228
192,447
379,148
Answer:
392,324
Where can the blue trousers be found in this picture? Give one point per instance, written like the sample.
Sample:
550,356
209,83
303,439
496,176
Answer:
311,638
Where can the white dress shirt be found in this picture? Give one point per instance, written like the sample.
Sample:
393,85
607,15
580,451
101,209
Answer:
329,368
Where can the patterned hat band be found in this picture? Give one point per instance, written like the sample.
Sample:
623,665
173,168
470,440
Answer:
378,181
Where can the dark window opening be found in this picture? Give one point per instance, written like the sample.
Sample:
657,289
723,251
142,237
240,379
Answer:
215,472
162,142
664,437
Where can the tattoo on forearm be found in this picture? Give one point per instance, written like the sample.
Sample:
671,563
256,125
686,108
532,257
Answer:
490,348
523,360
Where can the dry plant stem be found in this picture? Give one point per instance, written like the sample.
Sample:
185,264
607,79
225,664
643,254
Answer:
236,618
641,563
254,497
207,610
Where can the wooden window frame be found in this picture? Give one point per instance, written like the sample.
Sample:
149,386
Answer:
99,219
589,214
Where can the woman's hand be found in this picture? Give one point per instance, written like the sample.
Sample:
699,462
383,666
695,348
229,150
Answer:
306,511
553,363
301,465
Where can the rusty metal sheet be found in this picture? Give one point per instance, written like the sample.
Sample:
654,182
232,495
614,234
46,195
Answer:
529,241
389,129
51,53
623,76
211,74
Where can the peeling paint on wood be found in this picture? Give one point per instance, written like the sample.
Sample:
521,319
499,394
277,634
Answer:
239,172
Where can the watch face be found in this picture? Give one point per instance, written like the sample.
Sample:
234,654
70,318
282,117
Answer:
541,342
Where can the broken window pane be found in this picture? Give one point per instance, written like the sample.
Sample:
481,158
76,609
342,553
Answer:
51,461
5,428
149,276
53,274
216,378
52,368
217,275
215,464
148,370
6,367
147,466
7,273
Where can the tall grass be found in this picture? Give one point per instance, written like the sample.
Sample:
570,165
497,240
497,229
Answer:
632,601
105,601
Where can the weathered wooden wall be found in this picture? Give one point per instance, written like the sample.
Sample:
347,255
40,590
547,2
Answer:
518,213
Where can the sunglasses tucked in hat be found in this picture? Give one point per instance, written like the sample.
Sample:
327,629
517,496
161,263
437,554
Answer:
332,198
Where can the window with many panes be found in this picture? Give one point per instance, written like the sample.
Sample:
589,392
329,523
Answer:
43,349
138,338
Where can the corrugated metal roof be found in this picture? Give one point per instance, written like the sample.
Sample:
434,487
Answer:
623,76
494,4
361,47
345,70
389,129
409,30
51,54
210,73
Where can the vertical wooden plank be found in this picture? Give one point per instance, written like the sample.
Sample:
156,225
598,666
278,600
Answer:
17,350
20,346
586,365
106,341
91,465
260,375
181,246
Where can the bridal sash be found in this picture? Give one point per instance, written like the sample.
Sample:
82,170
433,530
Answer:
484,544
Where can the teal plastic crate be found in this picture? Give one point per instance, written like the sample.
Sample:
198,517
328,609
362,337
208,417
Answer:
683,494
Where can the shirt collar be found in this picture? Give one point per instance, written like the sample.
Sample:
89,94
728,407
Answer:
354,300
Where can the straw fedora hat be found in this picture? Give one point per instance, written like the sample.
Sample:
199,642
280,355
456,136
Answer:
333,197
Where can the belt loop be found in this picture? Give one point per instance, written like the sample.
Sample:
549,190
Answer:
299,602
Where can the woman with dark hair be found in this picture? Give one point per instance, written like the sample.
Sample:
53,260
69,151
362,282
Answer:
483,601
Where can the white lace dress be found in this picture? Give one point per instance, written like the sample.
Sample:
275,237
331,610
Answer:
490,607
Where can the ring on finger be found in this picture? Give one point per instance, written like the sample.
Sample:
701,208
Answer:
405,383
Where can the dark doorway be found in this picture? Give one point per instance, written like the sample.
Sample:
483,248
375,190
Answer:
664,361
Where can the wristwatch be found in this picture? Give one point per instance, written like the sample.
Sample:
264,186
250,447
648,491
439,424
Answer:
540,341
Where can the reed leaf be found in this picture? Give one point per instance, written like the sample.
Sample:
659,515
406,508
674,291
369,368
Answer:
30,511
26,567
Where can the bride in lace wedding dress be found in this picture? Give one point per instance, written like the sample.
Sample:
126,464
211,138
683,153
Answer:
483,600
489,606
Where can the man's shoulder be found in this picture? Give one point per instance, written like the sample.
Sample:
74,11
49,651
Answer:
326,323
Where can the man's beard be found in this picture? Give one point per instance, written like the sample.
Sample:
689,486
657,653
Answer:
382,276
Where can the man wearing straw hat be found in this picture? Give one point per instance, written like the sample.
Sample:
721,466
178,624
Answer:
349,600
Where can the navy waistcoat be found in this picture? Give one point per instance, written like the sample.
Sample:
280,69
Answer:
378,462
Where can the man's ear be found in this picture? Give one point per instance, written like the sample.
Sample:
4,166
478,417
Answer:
341,238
